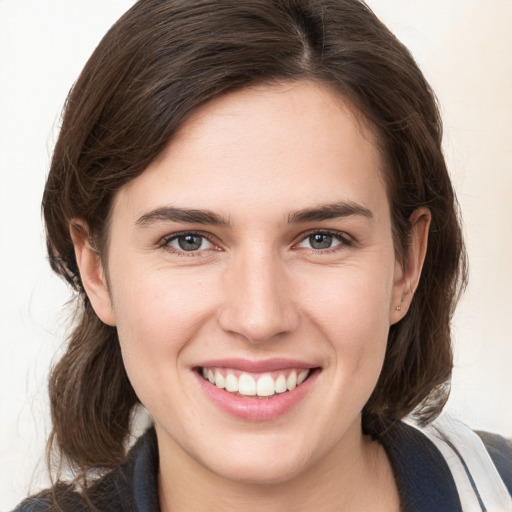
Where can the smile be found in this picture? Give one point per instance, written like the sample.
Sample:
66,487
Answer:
256,390
264,385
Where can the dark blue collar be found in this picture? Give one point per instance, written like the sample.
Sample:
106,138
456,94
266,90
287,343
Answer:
424,480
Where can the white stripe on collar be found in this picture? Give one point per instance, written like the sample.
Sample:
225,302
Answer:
478,482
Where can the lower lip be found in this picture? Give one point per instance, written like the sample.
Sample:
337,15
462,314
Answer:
257,409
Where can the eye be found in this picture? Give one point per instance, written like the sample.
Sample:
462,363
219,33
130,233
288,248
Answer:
323,241
188,242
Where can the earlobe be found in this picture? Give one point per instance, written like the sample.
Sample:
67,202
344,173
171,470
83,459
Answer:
407,279
91,271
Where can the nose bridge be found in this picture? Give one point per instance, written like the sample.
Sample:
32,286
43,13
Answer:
259,301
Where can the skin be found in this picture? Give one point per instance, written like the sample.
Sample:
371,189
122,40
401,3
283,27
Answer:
256,289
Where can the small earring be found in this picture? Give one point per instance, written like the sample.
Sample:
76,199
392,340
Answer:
398,308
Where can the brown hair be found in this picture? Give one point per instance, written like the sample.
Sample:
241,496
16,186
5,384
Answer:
161,61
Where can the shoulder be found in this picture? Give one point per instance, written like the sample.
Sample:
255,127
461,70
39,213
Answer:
131,486
445,466
484,458
500,450
424,480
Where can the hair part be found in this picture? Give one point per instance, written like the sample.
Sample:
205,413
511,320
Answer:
158,64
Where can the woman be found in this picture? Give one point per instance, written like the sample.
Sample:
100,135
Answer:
251,200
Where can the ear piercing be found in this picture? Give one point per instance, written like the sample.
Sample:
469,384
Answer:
398,308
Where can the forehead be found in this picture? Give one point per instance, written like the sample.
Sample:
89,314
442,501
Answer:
266,148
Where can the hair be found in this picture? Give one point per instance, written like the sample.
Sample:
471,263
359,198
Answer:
157,65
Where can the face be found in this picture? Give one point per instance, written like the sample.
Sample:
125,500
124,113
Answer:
252,279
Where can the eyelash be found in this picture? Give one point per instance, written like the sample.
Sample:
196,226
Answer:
343,239
165,243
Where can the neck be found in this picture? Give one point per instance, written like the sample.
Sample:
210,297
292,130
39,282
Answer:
354,476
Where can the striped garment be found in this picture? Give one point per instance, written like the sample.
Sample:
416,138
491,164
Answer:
445,467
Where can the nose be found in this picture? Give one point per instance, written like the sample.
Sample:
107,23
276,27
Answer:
260,305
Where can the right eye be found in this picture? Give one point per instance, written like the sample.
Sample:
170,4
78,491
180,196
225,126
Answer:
324,241
319,241
188,243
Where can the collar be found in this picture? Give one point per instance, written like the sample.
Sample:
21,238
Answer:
424,480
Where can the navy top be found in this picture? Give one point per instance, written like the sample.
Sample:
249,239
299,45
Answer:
424,480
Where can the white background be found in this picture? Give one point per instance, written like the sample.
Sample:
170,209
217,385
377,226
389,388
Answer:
465,50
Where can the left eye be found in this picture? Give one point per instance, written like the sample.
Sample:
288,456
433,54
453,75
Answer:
189,242
321,241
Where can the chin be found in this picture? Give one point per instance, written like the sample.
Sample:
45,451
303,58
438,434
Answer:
264,473
268,462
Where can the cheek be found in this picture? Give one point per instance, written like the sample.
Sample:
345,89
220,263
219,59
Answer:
356,297
155,322
156,318
351,309
158,306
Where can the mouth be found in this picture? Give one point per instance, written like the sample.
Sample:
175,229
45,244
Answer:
262,385
256,390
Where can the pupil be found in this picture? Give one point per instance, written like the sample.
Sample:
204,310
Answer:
319,241
190,242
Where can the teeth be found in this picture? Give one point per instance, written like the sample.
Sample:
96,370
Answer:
281,384
231,383
291,381
302,376
265,386
248,385
220,381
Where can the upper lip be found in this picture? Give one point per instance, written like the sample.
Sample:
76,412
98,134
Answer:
251,366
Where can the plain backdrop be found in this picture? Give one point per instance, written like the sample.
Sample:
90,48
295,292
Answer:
464,49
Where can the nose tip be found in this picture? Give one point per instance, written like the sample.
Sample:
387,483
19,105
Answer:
258,328
260,306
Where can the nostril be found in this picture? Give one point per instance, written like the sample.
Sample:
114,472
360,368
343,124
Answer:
258,325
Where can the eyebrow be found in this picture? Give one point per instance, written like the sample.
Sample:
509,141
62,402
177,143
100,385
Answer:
329,211
195,216
192,216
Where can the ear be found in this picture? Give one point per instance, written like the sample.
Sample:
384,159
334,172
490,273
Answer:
91,271
407,279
